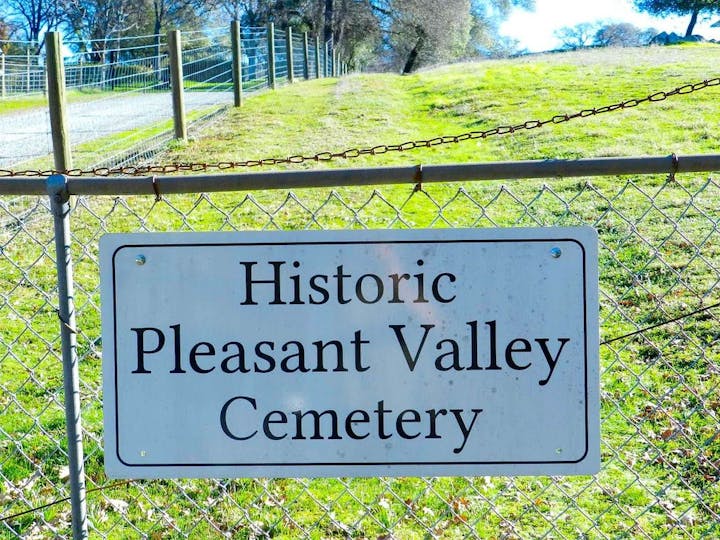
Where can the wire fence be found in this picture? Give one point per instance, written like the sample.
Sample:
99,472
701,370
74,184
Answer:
660,375
120,110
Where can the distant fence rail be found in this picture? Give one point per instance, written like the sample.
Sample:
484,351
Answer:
142,62
658,225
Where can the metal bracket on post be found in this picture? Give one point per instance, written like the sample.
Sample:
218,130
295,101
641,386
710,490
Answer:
57,189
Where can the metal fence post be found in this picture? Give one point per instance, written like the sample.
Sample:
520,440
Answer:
236,62
271,54
2,74
289,52
176,84
60,206
306,57
317,57
326,60
27,70
56,102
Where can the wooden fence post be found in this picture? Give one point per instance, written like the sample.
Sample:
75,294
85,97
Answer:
306,57
56,102
176,84
289,53
271,54
236,39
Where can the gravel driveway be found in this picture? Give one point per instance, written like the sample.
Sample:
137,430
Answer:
26,135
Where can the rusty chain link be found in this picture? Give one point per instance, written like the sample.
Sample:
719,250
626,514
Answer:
351,153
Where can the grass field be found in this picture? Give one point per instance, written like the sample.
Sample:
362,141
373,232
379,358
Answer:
660,258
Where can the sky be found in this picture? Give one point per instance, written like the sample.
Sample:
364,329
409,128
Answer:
535,29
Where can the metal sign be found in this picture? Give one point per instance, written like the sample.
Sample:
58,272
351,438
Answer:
353,353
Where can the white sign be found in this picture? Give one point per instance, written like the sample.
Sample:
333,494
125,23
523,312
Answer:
353,353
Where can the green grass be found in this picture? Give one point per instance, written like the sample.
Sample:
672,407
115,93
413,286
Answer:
659,258
364,111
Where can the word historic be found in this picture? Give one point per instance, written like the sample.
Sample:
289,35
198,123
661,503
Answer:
343,288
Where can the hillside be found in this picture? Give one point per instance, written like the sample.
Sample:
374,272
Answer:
381,109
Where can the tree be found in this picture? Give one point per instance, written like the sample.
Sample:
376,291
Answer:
404,33
485,38
6,32
254,13
680,7
176,13
98,21
416,32
623,35
33,17
576,37
233,8
354,30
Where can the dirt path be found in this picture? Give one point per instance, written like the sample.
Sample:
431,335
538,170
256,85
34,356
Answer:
26,135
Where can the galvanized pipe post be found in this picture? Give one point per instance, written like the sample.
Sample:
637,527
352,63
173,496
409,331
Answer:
28,87
289,53
176,84
326,65
2,74
236,62
60,205
271,54
317,57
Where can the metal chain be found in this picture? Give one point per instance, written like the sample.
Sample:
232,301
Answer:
351,153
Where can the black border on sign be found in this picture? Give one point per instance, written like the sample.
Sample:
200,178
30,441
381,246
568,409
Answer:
351,463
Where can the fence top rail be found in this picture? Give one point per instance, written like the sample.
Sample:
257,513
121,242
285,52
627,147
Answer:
508,170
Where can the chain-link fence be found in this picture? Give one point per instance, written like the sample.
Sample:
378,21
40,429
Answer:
660,476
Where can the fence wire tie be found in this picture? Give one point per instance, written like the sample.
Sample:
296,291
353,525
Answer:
662,323
156,189
418,178
65,323
675,166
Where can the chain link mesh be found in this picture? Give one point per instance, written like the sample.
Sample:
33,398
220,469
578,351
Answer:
660,478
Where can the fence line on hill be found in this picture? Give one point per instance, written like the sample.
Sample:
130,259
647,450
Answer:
659,268
120,94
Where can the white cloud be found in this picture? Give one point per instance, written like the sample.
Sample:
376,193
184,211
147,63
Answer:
534,29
